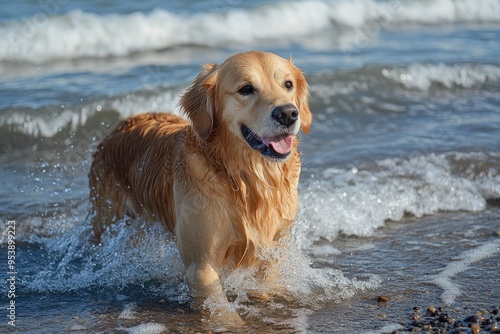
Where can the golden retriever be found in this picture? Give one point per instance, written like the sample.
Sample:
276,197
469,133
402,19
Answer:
225,183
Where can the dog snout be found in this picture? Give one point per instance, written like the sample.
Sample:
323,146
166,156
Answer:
285,115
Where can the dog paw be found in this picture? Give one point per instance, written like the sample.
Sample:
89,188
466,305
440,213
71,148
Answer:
258,295
224,317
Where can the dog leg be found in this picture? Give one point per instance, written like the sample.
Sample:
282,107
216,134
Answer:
107,199
204,281
203,253
206,287
270,277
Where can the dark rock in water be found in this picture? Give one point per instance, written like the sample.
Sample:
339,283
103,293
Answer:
473,319
382,299
494,328
487,322
439,320
445,318
417,324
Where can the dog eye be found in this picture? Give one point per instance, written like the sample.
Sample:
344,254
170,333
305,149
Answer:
288,85
246,90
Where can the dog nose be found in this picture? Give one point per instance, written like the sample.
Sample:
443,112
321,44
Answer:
285,115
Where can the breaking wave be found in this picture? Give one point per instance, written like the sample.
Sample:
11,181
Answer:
79,34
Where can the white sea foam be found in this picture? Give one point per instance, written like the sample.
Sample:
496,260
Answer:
128,312
308,286
147,328
47,125
389,328
78,34
357,202
414,76
444,279
127,255
423,76
132,253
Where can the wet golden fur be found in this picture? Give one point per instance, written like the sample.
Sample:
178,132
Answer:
221,198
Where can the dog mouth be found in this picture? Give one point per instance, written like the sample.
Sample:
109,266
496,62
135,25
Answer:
277,147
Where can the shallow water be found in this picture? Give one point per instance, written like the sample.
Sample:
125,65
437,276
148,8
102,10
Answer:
407,257
400,184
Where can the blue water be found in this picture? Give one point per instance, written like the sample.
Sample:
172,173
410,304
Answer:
402,162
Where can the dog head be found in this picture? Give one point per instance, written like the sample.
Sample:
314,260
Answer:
258,97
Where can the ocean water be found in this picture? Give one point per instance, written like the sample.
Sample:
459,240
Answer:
400,189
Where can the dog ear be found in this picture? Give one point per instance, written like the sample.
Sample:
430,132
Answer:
198,102
302,98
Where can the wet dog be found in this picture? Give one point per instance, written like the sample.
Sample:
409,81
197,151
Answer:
224,183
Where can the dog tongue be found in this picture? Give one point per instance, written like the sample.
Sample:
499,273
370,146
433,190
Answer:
282,144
